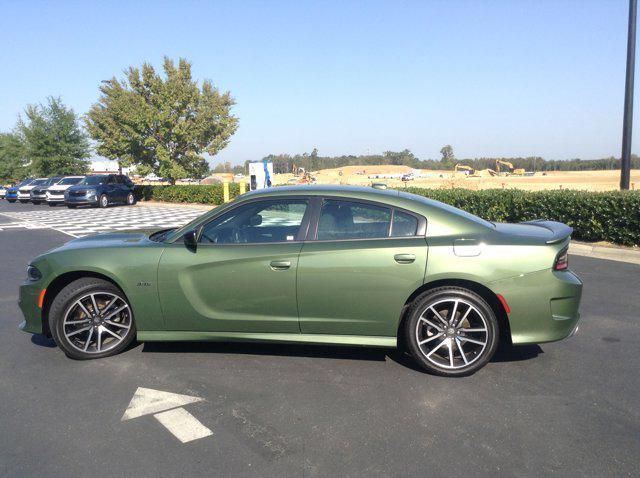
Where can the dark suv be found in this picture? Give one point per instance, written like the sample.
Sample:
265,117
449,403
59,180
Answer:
100,190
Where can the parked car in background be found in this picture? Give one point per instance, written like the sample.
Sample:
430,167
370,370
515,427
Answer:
39,193
101,190
12,192
325,265
55,193
3,191
24,192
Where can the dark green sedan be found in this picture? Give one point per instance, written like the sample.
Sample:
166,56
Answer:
314,264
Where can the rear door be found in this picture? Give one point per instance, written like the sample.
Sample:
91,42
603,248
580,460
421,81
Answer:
242,276
359,267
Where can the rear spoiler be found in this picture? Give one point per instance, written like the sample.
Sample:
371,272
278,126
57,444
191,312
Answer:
559,230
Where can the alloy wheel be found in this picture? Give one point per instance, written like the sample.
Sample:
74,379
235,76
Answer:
97,322
452,333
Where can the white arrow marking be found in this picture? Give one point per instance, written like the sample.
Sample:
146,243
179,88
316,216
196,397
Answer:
147,401
166,407
184,426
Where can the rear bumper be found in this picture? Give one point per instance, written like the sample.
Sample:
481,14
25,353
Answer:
544,305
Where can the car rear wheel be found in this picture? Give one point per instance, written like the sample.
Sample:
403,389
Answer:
131,199
451,331
91,318
103,201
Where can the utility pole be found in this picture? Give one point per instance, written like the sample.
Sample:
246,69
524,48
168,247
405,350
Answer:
625,164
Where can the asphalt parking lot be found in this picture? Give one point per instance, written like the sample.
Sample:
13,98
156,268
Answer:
565,409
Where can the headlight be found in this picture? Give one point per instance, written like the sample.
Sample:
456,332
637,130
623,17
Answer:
33,274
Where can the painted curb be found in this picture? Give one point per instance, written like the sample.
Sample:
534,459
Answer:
603,252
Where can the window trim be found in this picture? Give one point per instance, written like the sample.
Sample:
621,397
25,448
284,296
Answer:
300,236
313,231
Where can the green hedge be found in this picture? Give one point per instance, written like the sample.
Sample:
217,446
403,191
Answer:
200,194
612,216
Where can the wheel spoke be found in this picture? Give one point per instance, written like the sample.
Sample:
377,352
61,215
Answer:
435,349
473,341
437,314
94,304
115,312
464,316
452,318
122,326
474,330
99,341
84,309
106,307
464,357
450,346
112,333
430,339
86,345
75,322
83,329
437,327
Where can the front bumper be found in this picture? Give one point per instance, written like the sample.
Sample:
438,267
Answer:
544,305
24,196
28,303
81,200
57,198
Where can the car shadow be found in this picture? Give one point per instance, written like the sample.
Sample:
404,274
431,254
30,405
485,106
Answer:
281,350
503,354
43,341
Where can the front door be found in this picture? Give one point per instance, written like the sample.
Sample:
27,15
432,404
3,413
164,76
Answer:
355,277
242,275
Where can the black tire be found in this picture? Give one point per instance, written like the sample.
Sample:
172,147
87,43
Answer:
65,303
72,206
51,204
23,201
11,200
418,327
131,199
35,203
103,201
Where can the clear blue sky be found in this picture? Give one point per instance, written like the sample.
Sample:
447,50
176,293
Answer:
491,78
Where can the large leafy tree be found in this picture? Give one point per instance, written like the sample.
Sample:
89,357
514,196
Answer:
13,164
162,124
53,139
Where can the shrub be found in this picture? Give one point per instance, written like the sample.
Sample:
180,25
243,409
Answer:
612,216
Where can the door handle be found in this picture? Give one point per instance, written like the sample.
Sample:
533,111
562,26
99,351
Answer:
280,265
404,258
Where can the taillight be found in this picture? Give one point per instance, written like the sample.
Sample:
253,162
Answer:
562,260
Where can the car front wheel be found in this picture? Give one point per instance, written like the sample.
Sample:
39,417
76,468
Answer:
451,331
103,201
91,318
131,199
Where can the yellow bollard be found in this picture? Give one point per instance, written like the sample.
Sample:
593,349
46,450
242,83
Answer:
243,187
225,189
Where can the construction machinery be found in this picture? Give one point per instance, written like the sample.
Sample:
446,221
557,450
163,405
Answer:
463,167
511,170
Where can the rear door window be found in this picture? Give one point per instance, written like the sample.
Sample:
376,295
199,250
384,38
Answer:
352,220
404,225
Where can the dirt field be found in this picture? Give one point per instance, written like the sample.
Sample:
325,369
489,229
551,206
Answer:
391,175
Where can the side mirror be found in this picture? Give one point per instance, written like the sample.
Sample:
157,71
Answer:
191,240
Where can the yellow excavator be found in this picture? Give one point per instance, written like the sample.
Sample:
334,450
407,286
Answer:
511,170
470,172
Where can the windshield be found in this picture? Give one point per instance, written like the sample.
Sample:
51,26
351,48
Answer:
187,227
25,182
51,181
93,180
67,181
39,182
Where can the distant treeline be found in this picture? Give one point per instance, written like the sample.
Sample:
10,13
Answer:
284,163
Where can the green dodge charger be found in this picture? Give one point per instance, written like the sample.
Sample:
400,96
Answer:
313,264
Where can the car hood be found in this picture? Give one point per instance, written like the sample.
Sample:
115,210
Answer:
61,187
137,238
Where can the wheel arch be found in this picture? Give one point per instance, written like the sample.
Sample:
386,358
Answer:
63,280
483,291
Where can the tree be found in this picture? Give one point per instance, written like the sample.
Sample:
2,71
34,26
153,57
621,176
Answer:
162,124
54,142
448,159
13,164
